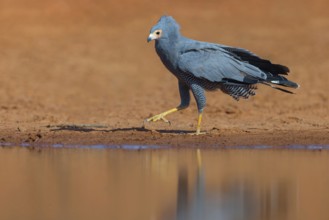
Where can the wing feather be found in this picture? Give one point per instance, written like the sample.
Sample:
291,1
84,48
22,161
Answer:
253,59
213,63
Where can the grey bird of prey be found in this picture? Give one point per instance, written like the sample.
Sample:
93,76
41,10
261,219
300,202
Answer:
201,66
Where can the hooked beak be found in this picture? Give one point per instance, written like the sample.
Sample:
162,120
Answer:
151,37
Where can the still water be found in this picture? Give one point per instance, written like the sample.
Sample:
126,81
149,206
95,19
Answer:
164,184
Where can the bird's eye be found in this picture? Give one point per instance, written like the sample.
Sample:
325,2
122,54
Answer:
157,33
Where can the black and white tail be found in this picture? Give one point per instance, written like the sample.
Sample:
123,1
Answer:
272,81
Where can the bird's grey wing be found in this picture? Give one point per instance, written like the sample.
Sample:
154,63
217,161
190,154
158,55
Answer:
217,65
255,60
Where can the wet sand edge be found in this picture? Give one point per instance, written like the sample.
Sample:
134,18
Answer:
164,138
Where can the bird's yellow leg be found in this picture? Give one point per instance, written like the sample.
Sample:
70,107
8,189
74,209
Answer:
198,127
162,115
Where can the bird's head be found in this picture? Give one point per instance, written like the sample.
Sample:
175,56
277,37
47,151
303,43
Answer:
164,29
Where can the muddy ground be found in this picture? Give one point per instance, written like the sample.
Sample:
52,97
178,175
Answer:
81,72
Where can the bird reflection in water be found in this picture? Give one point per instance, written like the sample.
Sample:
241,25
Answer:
237,200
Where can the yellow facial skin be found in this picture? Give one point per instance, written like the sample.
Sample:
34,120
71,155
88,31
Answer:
155,35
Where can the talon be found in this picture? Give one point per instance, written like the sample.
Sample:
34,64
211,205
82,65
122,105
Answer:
157,118
165,120
162,116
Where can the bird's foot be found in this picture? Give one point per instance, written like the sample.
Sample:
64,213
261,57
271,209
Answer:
157,118
198,133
